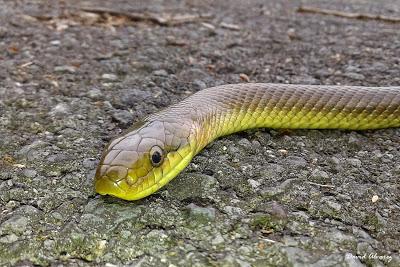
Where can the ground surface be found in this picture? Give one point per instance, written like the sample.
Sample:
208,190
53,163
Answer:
70,81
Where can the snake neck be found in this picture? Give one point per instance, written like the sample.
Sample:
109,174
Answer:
223,110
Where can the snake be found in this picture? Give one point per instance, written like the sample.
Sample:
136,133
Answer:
156,149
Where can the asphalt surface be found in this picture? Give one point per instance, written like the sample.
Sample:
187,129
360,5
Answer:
72,77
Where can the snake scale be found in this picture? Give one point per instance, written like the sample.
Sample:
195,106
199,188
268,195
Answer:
157,149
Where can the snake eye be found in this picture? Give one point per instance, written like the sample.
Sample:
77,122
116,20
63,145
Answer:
156,156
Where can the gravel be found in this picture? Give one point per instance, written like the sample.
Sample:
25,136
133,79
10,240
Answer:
71,81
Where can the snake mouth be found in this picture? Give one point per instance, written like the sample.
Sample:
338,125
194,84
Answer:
105,186
127,186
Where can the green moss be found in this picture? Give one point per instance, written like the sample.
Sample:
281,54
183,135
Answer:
267,223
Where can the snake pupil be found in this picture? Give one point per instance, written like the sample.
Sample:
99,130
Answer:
156,157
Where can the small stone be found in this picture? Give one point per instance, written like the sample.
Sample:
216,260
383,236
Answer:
90,163
233,211
28,210
355,76
335,160
109,77
3,31
282,152
65,69
375,198
319,175
90,220
245,143
254,184
355,162
60,109
243,263
57,216
296,162
161,72
122,116
379,66
291,33
8,239
217,240
11,204
95,94
16,224
48,244
244,77
55,42
126,234
199,84
195,210
30,173
354,140
334,205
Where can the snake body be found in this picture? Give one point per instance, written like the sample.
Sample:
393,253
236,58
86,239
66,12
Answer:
157,149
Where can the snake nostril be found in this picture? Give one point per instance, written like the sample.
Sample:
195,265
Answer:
116,173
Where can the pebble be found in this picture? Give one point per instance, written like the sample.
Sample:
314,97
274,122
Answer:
253,183
57,216
334,205
245,143
122,116
217,240
355,76
199,85
354,140
134,96
243,263
200,211
335,160
16,224
109,77
11,204
8,239
126,234
319,175
30,173
25,151
65,69
276,209
60,109
94,94
90,163
296,162
161,72
55,42
28,210
3,31
354,162
91,220
233,211
379,67
48,244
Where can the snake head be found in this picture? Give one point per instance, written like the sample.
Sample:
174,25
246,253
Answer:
144,159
